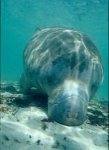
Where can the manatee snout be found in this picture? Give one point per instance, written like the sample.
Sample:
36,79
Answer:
70,111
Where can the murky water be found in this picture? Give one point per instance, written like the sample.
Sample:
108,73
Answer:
19,20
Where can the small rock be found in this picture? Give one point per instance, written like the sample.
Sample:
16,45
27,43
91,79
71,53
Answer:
38,142
44,126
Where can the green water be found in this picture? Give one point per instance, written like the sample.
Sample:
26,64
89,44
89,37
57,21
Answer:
20,18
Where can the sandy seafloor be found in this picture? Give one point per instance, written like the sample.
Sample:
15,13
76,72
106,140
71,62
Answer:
24,125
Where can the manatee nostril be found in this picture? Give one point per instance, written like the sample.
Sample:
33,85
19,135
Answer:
71,113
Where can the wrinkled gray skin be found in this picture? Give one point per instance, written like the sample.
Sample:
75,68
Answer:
65,65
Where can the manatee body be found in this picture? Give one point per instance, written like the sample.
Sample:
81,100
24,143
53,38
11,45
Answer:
65,65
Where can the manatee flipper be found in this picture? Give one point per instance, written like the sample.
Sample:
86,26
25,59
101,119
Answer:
25,84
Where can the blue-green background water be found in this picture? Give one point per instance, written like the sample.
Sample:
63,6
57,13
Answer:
20,18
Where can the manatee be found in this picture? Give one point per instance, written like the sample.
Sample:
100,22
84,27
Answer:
65,65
